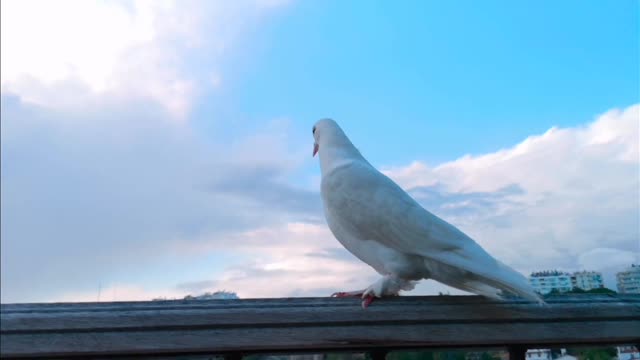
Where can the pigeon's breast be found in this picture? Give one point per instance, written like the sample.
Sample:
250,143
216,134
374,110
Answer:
352,226
383,259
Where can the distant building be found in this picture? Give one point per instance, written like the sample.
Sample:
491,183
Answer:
539,354
206,296
628,281
628,352
587,280
218,295
546,281
565,356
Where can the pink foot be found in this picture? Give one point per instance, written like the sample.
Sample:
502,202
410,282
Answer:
367,301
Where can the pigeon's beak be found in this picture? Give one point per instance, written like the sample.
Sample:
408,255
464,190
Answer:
315,148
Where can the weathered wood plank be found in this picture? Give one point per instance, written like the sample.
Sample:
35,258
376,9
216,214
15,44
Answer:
327,315
319,324
296,302
314,338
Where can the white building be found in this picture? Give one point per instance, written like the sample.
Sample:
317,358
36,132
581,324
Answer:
628,281
545,281
565,356
218,295
538,354
628,353
587,280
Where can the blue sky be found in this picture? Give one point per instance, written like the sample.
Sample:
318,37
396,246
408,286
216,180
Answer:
477,76
165,149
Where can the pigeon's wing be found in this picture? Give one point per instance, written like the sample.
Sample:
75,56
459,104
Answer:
372,207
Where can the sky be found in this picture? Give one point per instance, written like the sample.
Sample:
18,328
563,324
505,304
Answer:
162,148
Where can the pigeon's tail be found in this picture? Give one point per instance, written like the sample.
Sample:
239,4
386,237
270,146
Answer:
480,288
482,281
511,281
491,292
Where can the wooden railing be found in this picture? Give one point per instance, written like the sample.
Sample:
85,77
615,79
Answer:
235,328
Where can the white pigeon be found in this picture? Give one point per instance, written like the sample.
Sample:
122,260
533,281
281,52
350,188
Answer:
386,228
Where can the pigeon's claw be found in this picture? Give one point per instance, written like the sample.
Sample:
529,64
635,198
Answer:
370,294
367,300
367,296
386,286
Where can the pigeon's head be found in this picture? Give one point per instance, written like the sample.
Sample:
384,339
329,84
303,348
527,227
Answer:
327,132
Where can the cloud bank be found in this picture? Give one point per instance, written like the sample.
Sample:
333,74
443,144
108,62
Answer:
550,200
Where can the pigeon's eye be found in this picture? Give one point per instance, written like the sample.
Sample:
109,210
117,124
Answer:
314,130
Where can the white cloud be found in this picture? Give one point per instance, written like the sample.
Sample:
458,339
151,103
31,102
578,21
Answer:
118,292
287,259
550,200
111,195
72,52
292,259
613,258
